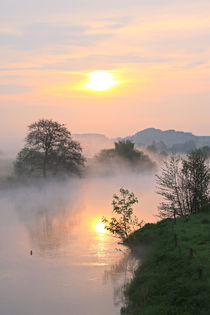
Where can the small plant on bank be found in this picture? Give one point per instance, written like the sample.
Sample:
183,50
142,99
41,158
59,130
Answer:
127,222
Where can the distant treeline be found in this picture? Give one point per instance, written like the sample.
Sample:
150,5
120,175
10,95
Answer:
50,151
123,157
186,147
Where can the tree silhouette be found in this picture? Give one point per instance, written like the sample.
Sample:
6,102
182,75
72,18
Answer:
49,149
125,152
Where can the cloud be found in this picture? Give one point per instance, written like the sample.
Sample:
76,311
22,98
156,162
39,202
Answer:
177,41
20,68
116,22
14,89
102,61
65,6
45,36
92,61
196,64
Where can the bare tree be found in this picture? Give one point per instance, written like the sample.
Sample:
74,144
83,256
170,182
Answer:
184,185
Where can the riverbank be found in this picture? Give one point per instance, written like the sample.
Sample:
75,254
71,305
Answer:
174,276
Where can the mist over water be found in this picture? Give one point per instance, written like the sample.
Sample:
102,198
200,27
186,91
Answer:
73,268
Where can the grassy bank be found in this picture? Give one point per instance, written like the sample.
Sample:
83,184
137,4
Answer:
174,276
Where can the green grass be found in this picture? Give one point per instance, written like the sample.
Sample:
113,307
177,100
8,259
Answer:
167,280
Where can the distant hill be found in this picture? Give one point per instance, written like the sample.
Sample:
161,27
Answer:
169,140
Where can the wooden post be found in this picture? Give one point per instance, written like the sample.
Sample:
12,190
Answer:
174,216
175,239
200,272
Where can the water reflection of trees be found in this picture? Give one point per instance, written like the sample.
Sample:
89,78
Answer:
49,212
49,233
120,275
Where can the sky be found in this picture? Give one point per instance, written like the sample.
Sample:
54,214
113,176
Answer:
158,51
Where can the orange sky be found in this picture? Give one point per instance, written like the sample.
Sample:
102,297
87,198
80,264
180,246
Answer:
158,51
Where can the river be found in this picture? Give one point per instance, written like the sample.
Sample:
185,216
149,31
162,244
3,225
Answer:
75,268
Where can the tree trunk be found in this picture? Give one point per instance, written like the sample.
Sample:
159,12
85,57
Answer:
45,163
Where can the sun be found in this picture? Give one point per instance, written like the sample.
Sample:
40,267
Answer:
100,227
101,80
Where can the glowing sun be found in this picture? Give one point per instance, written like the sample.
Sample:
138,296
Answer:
100,227
100,80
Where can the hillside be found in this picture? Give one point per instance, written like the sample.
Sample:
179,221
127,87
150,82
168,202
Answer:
173,278
168,137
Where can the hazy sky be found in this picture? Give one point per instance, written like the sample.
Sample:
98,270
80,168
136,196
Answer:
158,50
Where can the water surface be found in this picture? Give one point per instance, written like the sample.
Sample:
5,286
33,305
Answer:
73,269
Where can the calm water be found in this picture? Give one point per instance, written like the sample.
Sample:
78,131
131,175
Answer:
74,269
